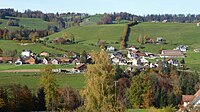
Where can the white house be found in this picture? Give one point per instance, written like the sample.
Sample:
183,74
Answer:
198,24
45,61
26,53
18,62
55,61
133,62
110,48
182,48
143,60
131,48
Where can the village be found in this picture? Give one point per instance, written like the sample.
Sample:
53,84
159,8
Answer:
130,57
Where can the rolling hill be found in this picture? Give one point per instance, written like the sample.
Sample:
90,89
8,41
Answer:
30,23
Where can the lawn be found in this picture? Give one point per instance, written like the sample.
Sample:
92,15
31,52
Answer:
33,82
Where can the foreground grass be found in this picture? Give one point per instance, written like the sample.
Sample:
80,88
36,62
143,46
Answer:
33,82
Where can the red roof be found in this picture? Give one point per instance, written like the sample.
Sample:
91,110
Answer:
6,58
187,98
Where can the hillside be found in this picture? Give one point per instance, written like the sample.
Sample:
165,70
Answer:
87,36
174,33
36,48
30,23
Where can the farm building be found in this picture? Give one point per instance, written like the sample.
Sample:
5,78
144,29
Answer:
171,54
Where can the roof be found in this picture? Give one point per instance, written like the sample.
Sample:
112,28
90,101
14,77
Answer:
172,53
187,98
197,93
6,58
79,66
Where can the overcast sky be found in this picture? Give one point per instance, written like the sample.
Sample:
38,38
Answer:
139,7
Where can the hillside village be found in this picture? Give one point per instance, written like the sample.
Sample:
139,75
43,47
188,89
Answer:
131,57
118,62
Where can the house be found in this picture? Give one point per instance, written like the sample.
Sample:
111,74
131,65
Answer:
143,60
6,59
26,53
44,54
18,61
55,62
191,99
164,21
160,40
79,68
133,62
197,50
173,62
132,47
198,24
182,48
64,60
45,61
110,48
133,54
29,60
76,61
171,54
150,41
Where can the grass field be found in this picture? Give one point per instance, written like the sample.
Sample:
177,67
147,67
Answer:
33,82
175,34
30,23
36,48
87,35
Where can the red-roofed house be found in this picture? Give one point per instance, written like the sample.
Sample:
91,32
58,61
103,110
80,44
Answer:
191,99
171,54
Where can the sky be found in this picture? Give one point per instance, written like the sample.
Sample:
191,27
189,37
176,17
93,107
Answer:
138,7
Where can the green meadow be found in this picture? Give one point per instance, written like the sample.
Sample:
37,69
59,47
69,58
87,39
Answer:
33,82
30,23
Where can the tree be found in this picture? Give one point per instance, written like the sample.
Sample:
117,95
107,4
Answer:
99,92
1,52
83,57
1,102
118,19
49,83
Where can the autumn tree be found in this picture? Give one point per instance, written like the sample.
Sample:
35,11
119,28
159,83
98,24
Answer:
118,19
49,83
99,92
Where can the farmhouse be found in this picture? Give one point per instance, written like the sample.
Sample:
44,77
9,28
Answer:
79,68
26,53
160,40
6,59
110,48
29,60
45,54
171,54
190,100
182,48
198,24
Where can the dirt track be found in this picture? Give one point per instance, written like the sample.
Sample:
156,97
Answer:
24,70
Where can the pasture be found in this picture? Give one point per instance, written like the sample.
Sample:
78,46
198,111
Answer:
33,82
36,48
87,36
30,23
